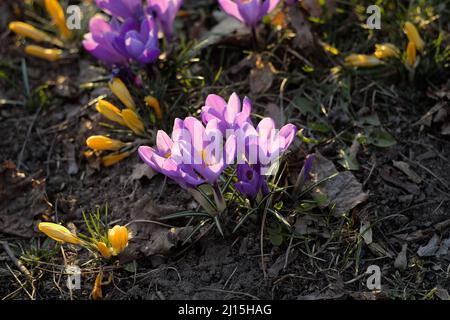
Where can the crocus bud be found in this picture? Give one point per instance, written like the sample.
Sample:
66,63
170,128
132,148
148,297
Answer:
57,13
413,35
411,54
110,111
362,60
118,236
153,103
112,159
119,89
303,175
104,250
58,233
133,121
386,50
27,30
102,143
44,53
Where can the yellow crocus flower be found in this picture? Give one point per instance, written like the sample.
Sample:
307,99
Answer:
362,60
118,237
411,54
27,30
112,159
120,90
44,53
153,103
57,13
386,50
133,121
413,35
102,143
110,111
58,233
104,250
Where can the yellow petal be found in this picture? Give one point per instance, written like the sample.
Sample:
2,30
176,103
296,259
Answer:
57,13
386,50
153,103
112,159
411,54
118,236
44,53
119,89
103,143
329,48
58,233
110,111
97,293
104,250
133,121
413,35
27,30
362,60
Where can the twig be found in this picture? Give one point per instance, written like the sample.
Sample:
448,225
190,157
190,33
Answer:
17,262
30,128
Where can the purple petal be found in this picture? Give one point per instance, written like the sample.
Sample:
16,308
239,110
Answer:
231,8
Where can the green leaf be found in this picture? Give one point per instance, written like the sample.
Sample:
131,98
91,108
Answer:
381,138
348,161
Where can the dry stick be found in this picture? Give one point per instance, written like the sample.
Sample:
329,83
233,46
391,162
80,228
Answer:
17,262
30,128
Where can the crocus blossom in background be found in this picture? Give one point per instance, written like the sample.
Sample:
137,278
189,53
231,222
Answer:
139,41
100,41
121,8
165,12
249,12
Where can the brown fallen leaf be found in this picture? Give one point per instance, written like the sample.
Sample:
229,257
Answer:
304,38
22,200
342,191
228,30
405,168
401,262
260,79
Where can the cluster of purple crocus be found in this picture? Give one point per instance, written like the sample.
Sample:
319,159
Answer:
198,152
132,32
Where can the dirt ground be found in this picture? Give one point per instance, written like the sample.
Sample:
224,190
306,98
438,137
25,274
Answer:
409,213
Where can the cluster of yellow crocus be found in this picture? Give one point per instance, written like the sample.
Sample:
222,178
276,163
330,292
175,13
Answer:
118,238
389,50
29,31
127,117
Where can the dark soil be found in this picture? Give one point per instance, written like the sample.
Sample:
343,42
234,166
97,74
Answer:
211,267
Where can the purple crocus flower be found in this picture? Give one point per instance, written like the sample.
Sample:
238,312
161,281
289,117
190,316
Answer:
250,181
160,159
249,12
191,157
123,9
99,42
265,144
165,12
290,1
139,41
229,115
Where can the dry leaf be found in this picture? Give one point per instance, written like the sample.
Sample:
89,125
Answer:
304,39
22,199
343,192
401,262
405,168
260,79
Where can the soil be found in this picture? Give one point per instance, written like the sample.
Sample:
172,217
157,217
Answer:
231,267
